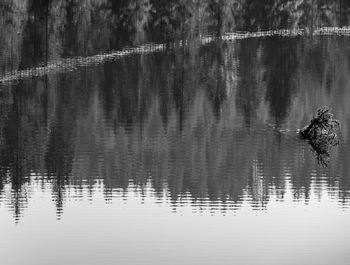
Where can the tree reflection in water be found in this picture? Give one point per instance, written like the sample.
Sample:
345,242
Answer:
202,122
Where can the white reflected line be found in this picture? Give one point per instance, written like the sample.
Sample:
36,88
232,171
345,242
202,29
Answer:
71,64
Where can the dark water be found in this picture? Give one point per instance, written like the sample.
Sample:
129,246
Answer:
184,156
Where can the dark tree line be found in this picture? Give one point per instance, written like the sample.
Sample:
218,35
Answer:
192,17
183,17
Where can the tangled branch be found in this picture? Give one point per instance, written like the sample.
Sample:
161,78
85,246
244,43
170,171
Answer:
321,133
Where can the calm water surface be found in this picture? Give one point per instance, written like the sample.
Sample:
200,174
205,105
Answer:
184,156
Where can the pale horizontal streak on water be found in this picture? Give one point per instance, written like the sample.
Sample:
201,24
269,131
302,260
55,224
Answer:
71,64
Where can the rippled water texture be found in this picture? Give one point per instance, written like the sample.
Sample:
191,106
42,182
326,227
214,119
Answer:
184,155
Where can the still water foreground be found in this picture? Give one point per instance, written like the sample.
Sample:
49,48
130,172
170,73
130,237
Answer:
183,156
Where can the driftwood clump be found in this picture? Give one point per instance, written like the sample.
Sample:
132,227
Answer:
321,133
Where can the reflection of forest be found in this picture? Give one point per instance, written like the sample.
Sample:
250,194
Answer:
33,32
210,122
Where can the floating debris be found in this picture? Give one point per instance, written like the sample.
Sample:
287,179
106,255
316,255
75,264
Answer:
321,134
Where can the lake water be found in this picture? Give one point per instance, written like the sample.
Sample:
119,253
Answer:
186,155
